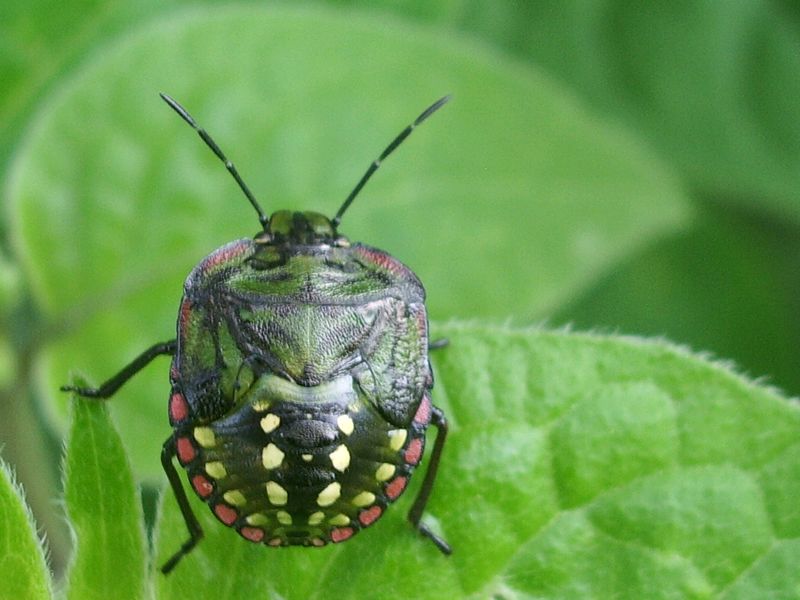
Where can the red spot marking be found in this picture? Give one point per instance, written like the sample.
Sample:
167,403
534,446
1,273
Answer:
369,516
224,254
396,487
186,451
178,408
414,451
423,416
275,542
254,534
202,486
383,260
317,542
225,513
340,534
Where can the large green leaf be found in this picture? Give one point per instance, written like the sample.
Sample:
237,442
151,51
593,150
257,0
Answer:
22,562
514,173
713,85
103,508
728,284
576,466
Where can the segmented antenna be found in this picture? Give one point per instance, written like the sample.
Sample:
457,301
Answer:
184,114
389,149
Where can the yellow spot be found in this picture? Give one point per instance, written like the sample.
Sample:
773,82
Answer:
345,424
330,494
384,472
270,423
271,456
316,518
364,499
397,437
340,458
284,518
306,457
276,494
257,519
216,469
235,497
261,405
340,519
205,437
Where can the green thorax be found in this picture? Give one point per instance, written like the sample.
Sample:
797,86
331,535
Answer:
301,228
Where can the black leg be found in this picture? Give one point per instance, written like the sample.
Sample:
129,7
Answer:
195,531
439,421
108,388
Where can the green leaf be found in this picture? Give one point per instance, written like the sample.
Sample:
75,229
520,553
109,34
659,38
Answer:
576,466
104,509
22,561
514,173
694,285
712,85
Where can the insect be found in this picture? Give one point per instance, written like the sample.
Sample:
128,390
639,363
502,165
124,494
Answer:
300,379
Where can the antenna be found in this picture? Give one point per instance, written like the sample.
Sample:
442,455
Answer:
184,114
389,149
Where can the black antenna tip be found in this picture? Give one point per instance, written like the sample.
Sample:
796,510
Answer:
175,105
433,108
386,152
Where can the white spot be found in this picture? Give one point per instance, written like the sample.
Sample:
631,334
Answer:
316,518
364,499
307,457
284,518
340,519
257,519
330,494
384,472
271,456
216,469
345,424
340,458
205,437
270,423
235,498
276,494
397,437
261,405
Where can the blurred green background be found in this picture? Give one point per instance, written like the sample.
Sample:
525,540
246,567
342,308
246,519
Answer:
604,165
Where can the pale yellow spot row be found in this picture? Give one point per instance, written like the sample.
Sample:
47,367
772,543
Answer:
340,519
316,518
257,519
216,469
306,457
205,437
397,437
235,497
276,494
270,423
340,458
330,494
364,499
345,424
384,472
271,456
284,518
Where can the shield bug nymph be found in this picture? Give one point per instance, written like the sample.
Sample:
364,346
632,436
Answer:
300,379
